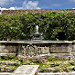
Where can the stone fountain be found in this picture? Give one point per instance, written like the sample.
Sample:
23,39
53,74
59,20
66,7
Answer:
36,36
37,47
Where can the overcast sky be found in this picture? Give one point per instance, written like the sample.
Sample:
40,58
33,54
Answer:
36,4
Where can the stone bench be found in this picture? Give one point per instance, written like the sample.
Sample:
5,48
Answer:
26,70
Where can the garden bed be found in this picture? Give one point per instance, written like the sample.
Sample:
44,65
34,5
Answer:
9,63
52,64
46,64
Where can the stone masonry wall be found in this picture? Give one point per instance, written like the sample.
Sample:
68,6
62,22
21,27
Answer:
39,49
8,49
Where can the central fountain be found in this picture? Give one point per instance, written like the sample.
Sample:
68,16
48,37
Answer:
37,47
36,36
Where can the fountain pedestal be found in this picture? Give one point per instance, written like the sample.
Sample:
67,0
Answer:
36,37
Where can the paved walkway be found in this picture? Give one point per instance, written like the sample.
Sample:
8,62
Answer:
26,70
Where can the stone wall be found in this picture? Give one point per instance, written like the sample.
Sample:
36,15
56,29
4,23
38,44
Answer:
31,50
28,49
8,49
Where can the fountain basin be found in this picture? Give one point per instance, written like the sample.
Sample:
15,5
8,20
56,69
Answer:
41,48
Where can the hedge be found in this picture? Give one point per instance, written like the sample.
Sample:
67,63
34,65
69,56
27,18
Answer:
22,26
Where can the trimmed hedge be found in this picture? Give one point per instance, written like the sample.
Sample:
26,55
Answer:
22,26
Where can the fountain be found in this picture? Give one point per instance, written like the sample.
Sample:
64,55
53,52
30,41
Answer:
36,36
37,47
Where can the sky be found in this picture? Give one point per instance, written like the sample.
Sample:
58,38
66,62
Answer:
36,4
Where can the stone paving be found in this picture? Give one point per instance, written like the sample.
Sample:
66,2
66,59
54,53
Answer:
26,70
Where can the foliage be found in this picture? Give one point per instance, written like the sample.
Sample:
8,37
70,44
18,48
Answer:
55,59
50,58
22,26
72,63
54,65
8,57
37,61
56,70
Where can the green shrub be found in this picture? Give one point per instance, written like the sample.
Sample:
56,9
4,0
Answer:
66,70
72,63
30,60
50,58
38,62
42,70
8,57
55,59
22,26
73,69
21,60
15,64
56,70
54,65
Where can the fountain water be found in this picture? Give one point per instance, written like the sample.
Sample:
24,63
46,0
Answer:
36,36
37,29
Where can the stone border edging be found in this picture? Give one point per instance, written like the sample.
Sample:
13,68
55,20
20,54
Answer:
5,73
